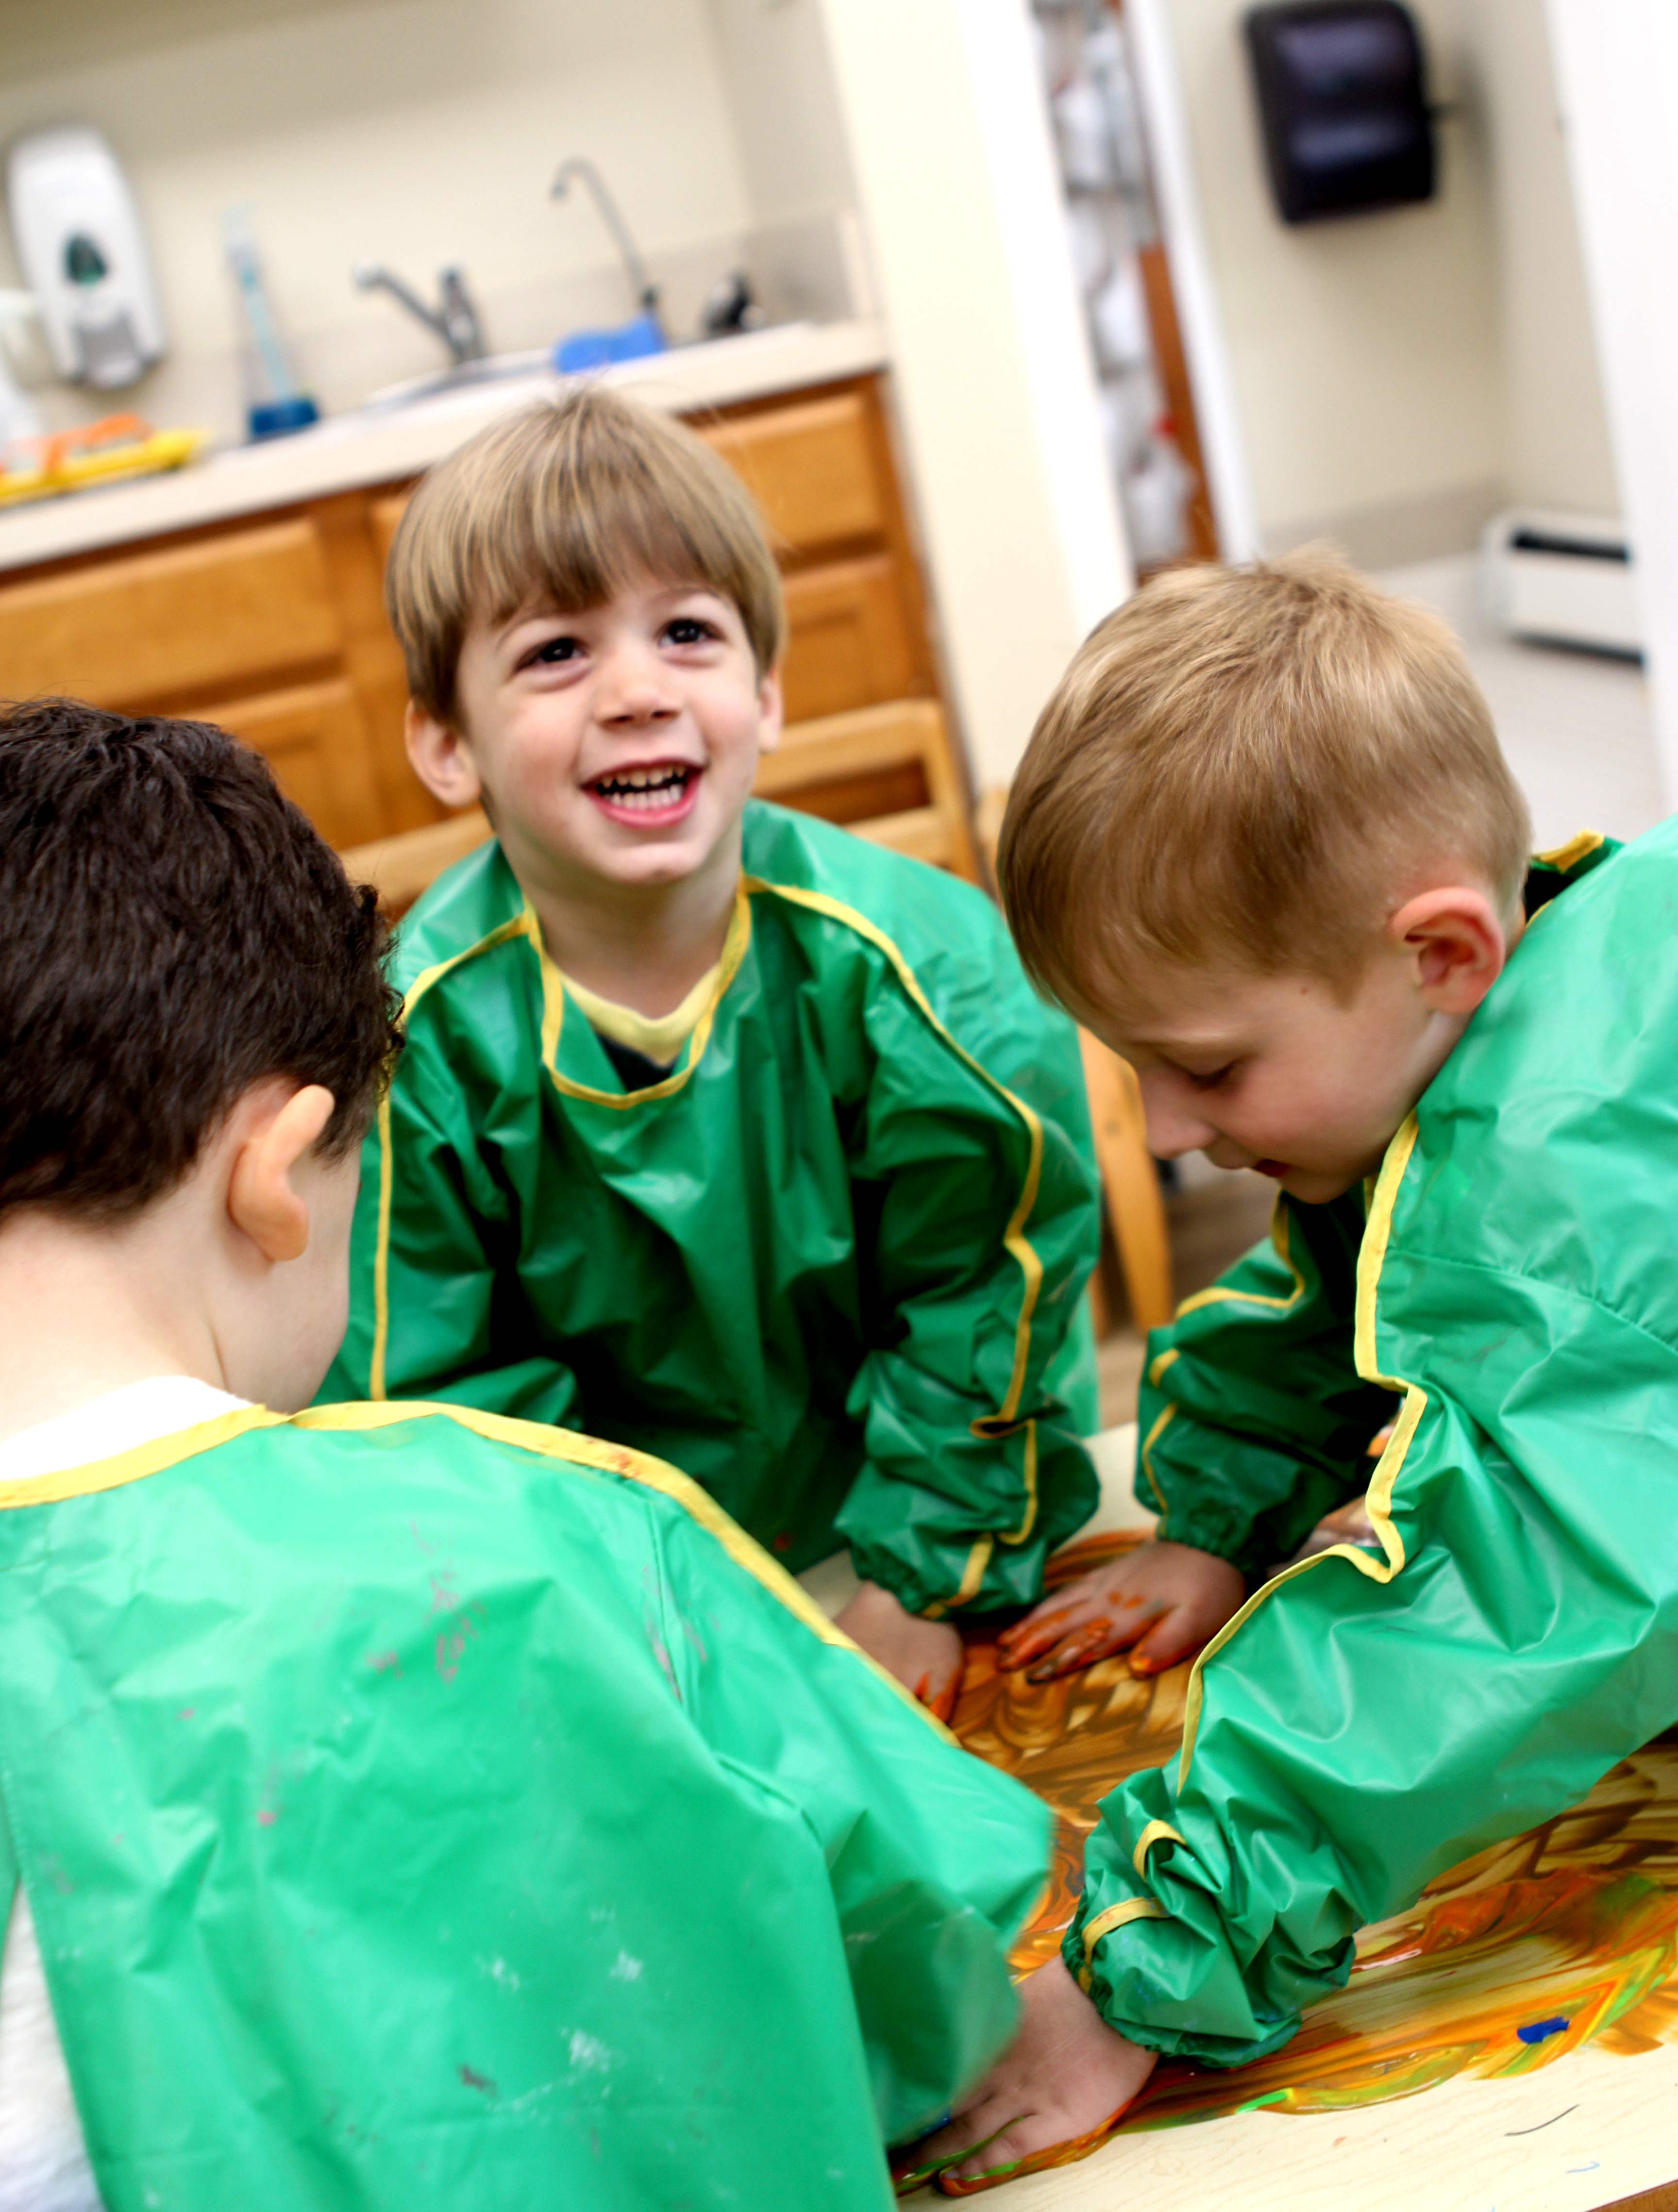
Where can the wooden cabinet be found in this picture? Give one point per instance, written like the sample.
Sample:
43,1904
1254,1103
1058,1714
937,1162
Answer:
275,626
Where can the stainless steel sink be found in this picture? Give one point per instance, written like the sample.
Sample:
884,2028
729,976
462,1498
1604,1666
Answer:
501,368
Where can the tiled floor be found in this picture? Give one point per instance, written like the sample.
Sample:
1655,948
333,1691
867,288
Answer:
1576,730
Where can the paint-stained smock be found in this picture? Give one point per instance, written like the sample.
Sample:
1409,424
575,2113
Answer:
1381,1711
419,1808
831,1265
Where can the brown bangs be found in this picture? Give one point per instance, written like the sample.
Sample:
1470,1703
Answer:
570,503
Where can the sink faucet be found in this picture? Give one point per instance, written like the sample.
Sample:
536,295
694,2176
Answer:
454,320
646,292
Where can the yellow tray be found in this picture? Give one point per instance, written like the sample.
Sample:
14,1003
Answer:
68,471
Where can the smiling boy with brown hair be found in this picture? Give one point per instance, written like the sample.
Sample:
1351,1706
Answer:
1265,844
719,1131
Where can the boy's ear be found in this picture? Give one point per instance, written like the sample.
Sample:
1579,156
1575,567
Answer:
771,712
260,1198
1456,943
441,758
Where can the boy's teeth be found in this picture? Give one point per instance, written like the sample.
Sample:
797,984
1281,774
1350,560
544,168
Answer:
641,787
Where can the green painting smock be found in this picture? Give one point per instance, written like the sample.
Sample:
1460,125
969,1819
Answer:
826,1266
1376,1713
418,1808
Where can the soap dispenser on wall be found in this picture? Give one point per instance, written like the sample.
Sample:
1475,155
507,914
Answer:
83,254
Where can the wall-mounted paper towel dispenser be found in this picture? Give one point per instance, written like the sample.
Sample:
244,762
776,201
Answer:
1343,104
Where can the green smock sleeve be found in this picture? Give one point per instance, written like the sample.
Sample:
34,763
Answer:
436,1310
933,1866
976,1206
1253,1421
1382,1711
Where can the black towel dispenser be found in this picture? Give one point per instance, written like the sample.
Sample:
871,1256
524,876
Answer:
1342,99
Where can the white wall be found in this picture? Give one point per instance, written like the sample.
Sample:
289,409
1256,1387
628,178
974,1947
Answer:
949,146
1558,435
411,131
1617,75
1365,354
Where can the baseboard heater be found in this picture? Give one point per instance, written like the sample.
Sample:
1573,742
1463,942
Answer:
1562,579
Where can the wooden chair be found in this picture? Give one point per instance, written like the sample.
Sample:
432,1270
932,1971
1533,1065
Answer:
1129,1179
887,773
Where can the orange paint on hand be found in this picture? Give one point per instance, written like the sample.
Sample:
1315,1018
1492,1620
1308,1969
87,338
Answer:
1576,1919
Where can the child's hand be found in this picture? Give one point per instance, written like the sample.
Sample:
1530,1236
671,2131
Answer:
1065,2074
925,1655
1165,1599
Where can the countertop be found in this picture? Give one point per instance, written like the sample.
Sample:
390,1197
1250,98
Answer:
380,444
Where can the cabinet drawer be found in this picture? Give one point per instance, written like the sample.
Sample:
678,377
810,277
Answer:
315,737
811,469
128,632
850,639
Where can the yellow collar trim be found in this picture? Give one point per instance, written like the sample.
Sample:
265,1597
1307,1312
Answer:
658,1039
168,1450
555,989
545,1442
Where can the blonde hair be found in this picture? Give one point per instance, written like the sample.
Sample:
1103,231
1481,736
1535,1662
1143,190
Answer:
571,501
1237,769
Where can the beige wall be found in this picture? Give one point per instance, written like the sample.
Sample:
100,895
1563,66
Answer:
1367,354
948,142
411,131
1559,450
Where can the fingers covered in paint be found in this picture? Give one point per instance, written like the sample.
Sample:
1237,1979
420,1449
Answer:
925,1655
1161,1603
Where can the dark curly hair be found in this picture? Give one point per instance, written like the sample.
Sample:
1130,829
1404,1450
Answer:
171,931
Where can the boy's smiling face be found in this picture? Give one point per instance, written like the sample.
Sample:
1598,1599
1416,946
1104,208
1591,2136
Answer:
613,747
1280,1072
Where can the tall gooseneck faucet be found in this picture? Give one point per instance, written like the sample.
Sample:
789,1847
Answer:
646,292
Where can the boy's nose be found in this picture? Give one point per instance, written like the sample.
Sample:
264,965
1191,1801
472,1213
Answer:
1172,1127
633,687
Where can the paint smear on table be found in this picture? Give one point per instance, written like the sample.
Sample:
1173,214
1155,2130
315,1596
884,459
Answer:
1572,1928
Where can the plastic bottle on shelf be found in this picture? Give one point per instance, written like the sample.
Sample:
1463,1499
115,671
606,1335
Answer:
274,403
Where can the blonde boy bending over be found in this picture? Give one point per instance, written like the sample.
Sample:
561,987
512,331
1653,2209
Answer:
1265,844
719,1132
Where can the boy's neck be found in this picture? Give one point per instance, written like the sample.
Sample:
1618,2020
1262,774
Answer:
85,1310
640,945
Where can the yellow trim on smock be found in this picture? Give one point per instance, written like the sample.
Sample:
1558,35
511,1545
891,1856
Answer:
658,1039
1370,1257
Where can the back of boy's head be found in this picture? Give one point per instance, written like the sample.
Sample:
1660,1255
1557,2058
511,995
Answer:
568,503
175,931
1245,768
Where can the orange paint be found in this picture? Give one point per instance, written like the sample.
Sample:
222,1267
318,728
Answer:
1576,1919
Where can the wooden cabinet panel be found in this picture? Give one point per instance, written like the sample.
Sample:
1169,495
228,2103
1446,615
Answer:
849,641
383,515
810,467
315,738
132,631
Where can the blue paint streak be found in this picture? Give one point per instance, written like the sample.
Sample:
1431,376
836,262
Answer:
1540,2031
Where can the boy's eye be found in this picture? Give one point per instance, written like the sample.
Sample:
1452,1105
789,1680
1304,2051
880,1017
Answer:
553,651
1209,1078
689,629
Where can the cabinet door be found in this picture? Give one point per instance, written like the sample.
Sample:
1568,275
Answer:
812,467
127,633
850,639
314,736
